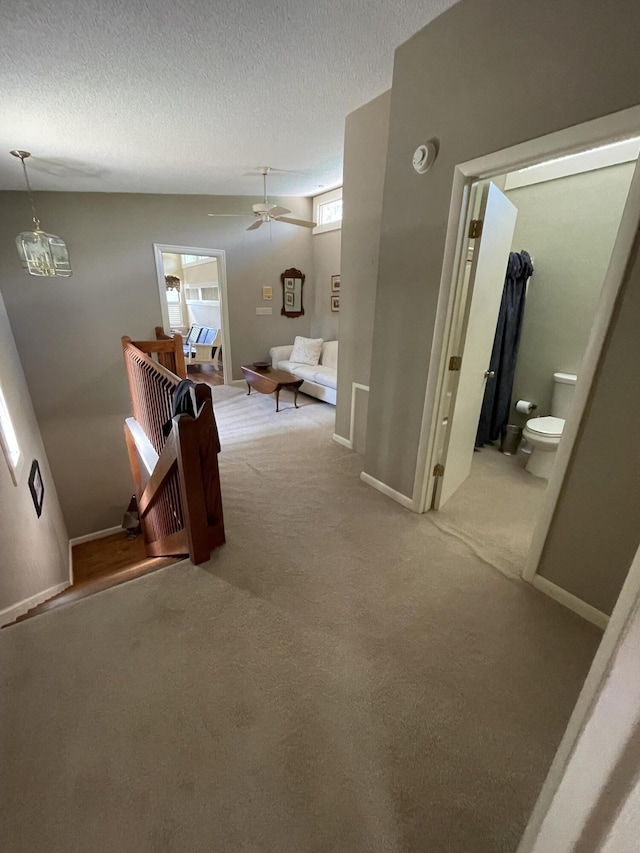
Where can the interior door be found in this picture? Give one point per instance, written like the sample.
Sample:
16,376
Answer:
466,386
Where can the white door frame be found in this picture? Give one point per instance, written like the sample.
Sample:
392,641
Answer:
624,612
219,254
590,134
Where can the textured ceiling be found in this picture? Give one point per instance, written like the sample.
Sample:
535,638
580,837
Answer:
166,96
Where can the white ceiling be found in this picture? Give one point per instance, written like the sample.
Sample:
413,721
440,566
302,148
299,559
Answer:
186,96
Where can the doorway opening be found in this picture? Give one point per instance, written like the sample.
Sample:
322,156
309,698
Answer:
522,339
193,300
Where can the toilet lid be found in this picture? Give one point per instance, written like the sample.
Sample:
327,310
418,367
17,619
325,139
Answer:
546,426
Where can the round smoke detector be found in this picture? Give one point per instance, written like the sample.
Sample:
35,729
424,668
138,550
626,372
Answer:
424,157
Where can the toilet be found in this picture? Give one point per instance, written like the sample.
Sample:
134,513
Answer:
544,434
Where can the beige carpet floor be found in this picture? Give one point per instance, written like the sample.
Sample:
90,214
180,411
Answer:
495,510
342,676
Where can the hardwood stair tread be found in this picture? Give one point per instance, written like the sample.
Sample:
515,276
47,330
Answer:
102,564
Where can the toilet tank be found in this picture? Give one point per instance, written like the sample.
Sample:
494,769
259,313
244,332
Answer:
564,385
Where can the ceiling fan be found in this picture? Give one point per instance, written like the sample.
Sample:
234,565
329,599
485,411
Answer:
265,212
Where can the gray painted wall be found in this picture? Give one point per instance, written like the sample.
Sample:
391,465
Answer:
366,131
68,330
326,262
594,532
35,551
476,100
569,226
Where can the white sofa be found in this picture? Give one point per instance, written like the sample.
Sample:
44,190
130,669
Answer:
320,380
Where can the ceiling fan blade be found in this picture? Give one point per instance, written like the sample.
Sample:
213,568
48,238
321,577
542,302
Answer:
255,225
243,215
278,211
303,222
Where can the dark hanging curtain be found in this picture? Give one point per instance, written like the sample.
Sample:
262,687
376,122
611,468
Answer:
497,394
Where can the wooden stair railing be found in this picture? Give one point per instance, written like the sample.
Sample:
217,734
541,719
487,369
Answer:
176,478
168,351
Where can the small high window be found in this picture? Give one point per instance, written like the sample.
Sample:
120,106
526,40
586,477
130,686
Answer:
327,211
209,293
201,280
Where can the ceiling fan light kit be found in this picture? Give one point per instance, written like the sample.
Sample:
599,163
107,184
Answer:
265,212
40,253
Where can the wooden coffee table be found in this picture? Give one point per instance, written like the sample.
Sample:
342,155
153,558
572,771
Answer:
269,380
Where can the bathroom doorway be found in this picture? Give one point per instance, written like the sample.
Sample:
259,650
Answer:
567,215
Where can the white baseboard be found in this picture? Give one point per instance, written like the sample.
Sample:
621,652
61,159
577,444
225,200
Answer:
571,601
98,534
355,386
10,614
238,383
339,439
403,500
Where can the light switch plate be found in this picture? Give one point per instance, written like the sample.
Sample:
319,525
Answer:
263,311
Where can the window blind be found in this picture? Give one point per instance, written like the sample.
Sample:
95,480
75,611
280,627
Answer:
175,314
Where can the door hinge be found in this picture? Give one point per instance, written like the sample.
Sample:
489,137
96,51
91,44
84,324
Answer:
455,362
438,470
475,228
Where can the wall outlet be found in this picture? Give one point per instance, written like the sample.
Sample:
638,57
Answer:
263,311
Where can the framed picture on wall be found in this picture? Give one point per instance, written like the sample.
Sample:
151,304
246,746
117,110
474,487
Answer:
335,303
36,487
292,284
335,284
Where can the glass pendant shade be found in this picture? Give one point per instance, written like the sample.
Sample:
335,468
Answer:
40,253
43,254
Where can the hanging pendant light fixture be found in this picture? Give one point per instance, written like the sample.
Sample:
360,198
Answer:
40,253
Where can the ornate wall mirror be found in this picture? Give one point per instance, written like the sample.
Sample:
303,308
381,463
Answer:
292,282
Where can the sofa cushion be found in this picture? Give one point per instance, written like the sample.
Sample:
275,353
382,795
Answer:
278,354
324,375
305,371
287,365
306,350
330,355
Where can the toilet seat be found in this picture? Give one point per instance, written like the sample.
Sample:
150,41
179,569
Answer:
547,426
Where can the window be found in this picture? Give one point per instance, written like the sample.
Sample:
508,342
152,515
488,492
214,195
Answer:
327,211
9,441
210,294
330,212
200,279
174,306
203,293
